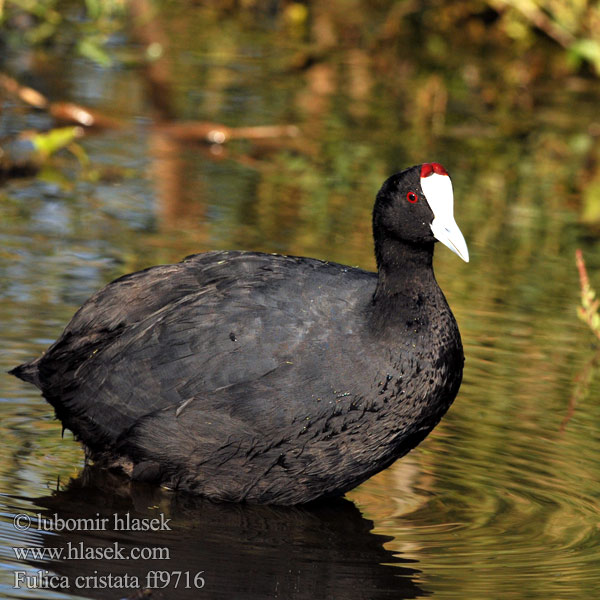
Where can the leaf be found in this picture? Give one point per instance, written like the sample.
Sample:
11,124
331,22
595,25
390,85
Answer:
49,142
588,310
591,202
94,9
91,49
80,153
586,49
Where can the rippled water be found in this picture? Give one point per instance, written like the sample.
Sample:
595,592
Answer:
501,501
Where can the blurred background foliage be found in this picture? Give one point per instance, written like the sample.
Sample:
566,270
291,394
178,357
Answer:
573,24
467,68
85,27
169,158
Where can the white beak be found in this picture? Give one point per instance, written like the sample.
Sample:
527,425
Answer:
438,192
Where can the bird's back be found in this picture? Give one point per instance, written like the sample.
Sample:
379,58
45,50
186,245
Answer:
161,337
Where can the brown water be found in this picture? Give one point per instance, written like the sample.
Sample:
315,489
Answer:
502,500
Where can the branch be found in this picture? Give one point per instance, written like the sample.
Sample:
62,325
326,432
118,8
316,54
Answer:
65,112
216,133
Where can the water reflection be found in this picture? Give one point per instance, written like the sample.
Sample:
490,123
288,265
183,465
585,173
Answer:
323,551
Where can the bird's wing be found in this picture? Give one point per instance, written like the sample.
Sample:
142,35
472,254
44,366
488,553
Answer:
249,340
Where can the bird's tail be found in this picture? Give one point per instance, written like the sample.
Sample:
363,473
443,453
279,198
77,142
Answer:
28,372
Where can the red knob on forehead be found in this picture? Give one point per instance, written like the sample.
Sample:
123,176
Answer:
437,168
430,168
426,170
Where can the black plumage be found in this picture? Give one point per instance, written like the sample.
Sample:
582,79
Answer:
259,377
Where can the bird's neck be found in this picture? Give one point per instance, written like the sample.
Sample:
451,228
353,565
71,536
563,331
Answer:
406,280
403,268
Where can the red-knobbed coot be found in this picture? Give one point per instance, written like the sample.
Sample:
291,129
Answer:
266,378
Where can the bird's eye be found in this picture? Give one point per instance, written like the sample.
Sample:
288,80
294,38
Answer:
412,197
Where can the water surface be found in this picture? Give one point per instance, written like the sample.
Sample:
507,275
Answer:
502,500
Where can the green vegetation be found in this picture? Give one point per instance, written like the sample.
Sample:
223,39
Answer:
88,24
588,311
478,71
84,26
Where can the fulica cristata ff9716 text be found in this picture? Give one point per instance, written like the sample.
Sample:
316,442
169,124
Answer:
266,378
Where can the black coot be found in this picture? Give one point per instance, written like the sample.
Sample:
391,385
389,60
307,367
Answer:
265,378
